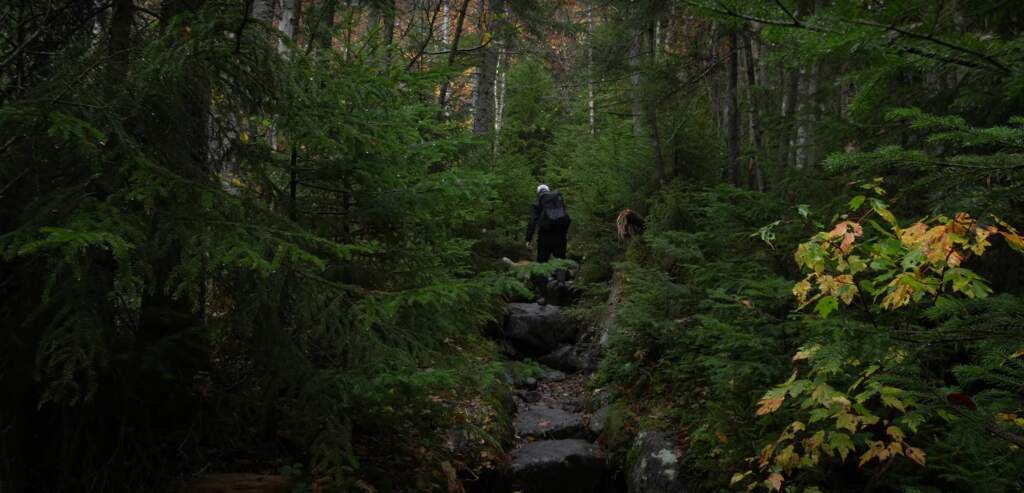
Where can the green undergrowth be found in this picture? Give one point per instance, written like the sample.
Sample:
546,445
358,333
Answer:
708,325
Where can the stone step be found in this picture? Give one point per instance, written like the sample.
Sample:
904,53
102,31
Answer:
540,420
557,466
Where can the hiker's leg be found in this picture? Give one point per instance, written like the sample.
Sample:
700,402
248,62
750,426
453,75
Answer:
544,247
559,244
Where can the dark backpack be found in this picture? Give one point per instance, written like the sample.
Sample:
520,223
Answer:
553,213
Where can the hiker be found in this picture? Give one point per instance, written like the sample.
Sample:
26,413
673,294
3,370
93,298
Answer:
549,218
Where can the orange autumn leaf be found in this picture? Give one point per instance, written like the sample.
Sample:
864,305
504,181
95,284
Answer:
770,404
915,454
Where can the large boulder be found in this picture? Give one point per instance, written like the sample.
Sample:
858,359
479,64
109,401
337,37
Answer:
657,466
557,466
542,421
535,329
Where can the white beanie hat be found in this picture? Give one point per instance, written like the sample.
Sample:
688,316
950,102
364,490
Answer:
542,188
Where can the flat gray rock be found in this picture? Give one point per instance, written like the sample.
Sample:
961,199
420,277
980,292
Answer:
557,466
541,421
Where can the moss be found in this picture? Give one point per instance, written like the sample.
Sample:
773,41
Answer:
594,272
618,433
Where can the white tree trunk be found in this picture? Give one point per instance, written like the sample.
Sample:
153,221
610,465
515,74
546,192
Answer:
499,97
591,109
445,23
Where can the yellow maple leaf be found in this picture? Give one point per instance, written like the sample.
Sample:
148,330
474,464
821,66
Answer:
895,432
800,290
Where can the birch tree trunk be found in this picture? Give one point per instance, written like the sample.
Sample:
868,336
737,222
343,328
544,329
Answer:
499,96
446,15
591,109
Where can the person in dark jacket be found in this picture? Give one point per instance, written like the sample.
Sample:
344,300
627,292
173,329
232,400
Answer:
550,220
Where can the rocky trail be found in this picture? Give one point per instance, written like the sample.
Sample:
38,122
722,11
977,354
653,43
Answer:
559,421
556,428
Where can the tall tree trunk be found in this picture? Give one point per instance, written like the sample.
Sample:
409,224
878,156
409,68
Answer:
731,112
591,109
389,31
789,105
499,97
120,40
446,22
483,112
802,129
652,111
634,81
442,96
287,24
756,173
263,10
161,313
323,29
